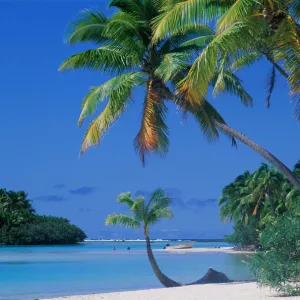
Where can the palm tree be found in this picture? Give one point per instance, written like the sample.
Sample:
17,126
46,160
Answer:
243,36
236,201
267,184
125,50
145,214
261,195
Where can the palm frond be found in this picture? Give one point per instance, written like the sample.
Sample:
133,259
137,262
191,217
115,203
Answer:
237,11
158,215
101,124
176,16
158,200
153,135
271,85
126,30
115,88
138,209
232,85
87,27
106,58
129,6
122,220
126,198
246,60
286,40
171,64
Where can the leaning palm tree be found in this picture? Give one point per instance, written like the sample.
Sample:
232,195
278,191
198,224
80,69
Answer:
145,214
246,31
125,50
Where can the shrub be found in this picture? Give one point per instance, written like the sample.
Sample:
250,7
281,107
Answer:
277,263
244,235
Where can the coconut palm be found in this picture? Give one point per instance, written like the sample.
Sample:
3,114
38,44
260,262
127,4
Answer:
246,31
261,194
236,202
145,214
267,188
125,50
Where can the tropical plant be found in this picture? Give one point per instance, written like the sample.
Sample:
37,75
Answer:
125,50
246,31
277,263
144,215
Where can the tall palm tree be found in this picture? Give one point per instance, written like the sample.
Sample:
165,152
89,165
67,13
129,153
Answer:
125,50
145,214
246,31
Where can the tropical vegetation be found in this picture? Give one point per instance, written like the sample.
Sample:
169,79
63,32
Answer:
144,214
20,225
266,210
246,32
277,262
167,47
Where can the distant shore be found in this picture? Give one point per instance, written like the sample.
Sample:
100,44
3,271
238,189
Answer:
232,291
205,250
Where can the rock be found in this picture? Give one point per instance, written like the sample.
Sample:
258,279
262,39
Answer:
213,276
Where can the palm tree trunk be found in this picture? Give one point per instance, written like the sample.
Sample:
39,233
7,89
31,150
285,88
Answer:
211,276
165,281
261,151
272,204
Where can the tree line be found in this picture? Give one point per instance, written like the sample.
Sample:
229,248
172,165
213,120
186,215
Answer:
21,225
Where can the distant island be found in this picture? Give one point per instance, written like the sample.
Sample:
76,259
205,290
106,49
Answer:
21,225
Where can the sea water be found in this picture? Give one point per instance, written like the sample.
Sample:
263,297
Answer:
36,272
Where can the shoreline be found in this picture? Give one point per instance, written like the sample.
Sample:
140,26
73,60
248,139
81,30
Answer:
229,250
229,291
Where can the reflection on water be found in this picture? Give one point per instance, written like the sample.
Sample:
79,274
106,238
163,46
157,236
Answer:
39,272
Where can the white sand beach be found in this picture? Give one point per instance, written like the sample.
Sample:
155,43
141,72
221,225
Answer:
232,291
205,250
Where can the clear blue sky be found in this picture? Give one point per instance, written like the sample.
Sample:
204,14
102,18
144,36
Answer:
40,141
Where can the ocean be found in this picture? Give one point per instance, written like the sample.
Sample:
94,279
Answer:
35,272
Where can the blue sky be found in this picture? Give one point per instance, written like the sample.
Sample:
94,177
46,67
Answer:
40,141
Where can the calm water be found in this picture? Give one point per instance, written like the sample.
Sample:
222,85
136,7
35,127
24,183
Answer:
49,271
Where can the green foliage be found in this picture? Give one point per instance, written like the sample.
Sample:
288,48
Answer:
20,225
43,231
244,235
246,31
255,200
277,263
144,214
125,49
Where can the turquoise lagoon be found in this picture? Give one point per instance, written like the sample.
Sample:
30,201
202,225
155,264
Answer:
33,272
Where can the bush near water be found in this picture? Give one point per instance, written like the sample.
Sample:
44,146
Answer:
20,225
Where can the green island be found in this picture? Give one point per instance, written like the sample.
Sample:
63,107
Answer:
21,225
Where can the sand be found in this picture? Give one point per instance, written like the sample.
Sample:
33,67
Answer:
232,291
203,250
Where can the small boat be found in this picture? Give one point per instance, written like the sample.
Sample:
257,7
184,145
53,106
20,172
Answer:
181,246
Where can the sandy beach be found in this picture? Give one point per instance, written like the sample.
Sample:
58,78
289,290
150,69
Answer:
205,250
232,291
